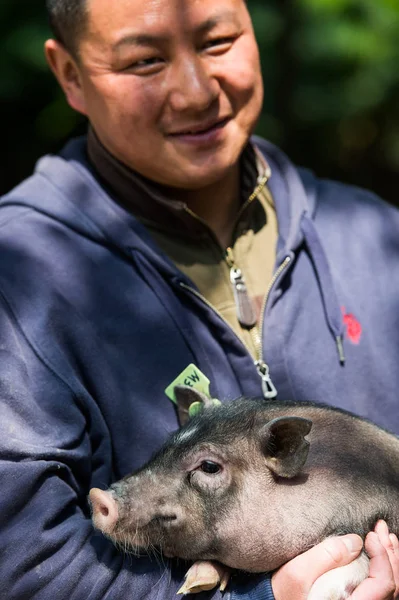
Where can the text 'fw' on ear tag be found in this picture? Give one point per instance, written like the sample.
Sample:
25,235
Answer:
191,377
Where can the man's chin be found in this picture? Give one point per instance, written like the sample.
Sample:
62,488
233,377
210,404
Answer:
197,182
197,175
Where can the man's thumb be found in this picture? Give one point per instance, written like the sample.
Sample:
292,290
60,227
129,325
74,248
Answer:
294,579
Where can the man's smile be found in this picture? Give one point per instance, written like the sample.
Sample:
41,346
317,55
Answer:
201,133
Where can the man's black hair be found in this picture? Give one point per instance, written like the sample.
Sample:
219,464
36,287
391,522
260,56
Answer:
68,19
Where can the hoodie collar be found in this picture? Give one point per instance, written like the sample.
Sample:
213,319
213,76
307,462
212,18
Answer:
291,200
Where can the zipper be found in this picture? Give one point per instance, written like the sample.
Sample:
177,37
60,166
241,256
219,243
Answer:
268,388
276,276
246,316
245,309
262,182
188,288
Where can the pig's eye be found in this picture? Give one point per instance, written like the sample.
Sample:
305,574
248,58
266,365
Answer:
209,467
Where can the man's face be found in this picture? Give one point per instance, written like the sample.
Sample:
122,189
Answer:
172,88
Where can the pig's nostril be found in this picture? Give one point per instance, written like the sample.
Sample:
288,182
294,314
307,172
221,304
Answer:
104,510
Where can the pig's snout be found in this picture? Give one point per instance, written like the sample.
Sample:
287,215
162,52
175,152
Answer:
104,510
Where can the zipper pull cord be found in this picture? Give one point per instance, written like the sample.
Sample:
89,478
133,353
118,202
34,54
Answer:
326,283
340,348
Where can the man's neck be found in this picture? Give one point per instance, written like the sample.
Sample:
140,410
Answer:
217,204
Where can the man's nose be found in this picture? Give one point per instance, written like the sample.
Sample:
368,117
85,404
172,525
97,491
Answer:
192,86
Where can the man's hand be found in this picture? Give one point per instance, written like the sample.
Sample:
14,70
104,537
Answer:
294,580
383,580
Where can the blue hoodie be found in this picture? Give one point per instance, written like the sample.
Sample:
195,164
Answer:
95,323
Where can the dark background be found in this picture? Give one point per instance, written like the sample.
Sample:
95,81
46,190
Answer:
331,71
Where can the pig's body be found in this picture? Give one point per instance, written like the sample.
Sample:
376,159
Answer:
238,485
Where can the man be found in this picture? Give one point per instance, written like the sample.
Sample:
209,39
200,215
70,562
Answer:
167,239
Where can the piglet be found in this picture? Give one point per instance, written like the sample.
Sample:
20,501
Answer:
251,484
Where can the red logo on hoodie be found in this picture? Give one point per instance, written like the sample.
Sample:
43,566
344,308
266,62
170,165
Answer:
353,327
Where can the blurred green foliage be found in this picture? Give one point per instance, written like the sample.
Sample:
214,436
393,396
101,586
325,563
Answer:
331,88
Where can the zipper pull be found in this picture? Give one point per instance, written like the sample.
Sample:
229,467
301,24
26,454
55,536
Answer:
244,305
268,388
245,309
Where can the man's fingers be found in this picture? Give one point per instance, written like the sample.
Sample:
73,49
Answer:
380,584
295,578
394,559
391,545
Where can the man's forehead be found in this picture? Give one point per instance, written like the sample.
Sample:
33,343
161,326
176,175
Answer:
150,15
141,38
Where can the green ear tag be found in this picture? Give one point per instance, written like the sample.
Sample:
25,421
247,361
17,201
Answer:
195,408
192,377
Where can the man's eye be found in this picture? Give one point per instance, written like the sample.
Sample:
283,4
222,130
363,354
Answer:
220,44
145,66
147,61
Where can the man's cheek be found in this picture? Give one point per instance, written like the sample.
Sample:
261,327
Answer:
243,82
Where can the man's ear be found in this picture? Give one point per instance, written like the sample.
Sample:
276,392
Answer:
284,445
66,70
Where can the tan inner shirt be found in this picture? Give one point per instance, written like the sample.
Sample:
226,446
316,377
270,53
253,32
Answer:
204,262
200,256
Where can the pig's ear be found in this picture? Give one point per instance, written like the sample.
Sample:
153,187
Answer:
186,396
284,445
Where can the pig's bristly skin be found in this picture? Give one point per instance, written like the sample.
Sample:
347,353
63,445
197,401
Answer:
212,492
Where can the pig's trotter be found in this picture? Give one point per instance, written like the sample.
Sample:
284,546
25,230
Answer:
224,581
338,584
205,575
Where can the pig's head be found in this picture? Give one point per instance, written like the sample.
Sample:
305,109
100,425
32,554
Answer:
208,486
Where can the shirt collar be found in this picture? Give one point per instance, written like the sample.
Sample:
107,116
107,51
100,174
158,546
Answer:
146,199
